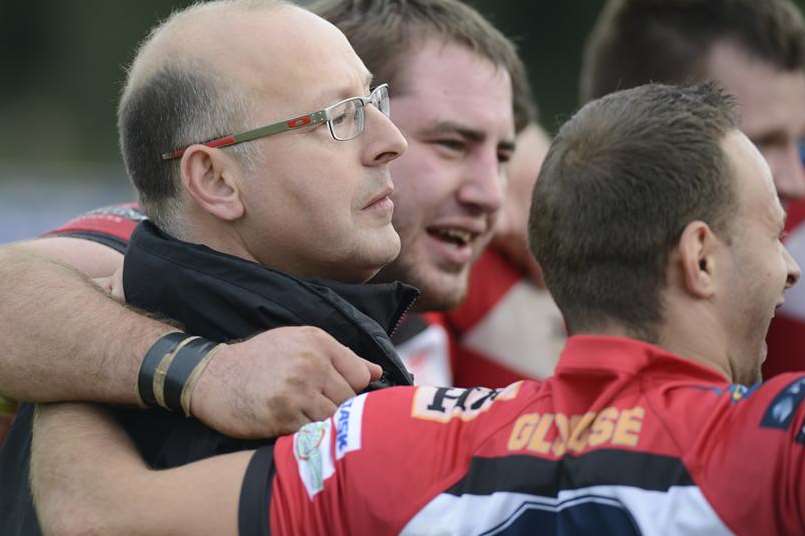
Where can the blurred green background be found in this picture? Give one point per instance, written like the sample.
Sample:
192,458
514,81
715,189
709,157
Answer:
62,62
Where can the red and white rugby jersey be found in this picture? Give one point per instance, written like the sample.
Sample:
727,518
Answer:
505,322
492,337
625,438
786,337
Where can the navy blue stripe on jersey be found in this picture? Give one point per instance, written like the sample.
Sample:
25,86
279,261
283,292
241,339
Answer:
538,476
782,409
584,515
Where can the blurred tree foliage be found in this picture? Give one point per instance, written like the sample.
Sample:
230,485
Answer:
61,63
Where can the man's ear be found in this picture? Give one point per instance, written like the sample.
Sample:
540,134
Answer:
212,178
696,252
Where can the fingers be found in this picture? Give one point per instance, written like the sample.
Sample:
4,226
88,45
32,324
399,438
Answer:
356,371
278,381
118,292
336,388
375,370
319,409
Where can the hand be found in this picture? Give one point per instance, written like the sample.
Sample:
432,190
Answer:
113,285
277,381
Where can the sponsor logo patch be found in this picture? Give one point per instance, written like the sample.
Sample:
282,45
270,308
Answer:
738,392
782,409
558,433
348,422
444,403
311,448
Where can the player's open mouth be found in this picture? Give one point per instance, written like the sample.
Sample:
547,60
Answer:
459,237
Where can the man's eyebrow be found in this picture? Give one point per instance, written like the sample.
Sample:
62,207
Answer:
330,96
507,145
471,134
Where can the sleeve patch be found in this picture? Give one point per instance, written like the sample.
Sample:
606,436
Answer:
348,424
782,409
311,448
442,404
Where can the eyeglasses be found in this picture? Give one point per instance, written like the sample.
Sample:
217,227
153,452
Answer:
345,119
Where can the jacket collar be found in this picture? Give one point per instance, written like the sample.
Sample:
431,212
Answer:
223,297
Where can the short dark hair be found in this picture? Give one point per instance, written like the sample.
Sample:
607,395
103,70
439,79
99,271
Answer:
183,100
384,32
622,179
636,42
176,107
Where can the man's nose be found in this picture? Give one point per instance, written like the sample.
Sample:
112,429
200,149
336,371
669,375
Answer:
484,187
793,270
384,141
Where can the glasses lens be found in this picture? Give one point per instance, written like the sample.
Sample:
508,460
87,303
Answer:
347,119
380,98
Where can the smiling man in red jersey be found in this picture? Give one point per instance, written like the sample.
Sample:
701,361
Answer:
754,50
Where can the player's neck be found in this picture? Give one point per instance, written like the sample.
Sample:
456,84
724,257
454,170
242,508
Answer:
693,332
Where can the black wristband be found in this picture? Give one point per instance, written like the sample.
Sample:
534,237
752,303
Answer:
145,380
183,364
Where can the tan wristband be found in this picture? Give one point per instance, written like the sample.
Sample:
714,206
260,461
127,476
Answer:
190,386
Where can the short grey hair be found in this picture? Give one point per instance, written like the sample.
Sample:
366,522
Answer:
173,103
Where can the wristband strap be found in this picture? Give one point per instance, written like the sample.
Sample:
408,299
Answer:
181,367
190,386
145,379
161,373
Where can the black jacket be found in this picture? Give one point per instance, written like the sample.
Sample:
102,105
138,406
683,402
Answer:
222,298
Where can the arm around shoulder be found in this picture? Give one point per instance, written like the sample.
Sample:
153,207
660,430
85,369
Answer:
88,478
65,339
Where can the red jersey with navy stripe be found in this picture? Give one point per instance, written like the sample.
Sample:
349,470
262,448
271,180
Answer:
625,438
111,226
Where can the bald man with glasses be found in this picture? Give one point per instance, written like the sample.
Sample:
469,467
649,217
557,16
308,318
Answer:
240,236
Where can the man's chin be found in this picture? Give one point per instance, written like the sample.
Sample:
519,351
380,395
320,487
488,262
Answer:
441,292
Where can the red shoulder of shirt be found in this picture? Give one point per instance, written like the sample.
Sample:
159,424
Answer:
111,226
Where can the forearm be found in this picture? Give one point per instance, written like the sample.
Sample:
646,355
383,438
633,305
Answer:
88,478
64,338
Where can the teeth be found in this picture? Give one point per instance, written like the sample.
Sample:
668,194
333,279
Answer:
457,236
